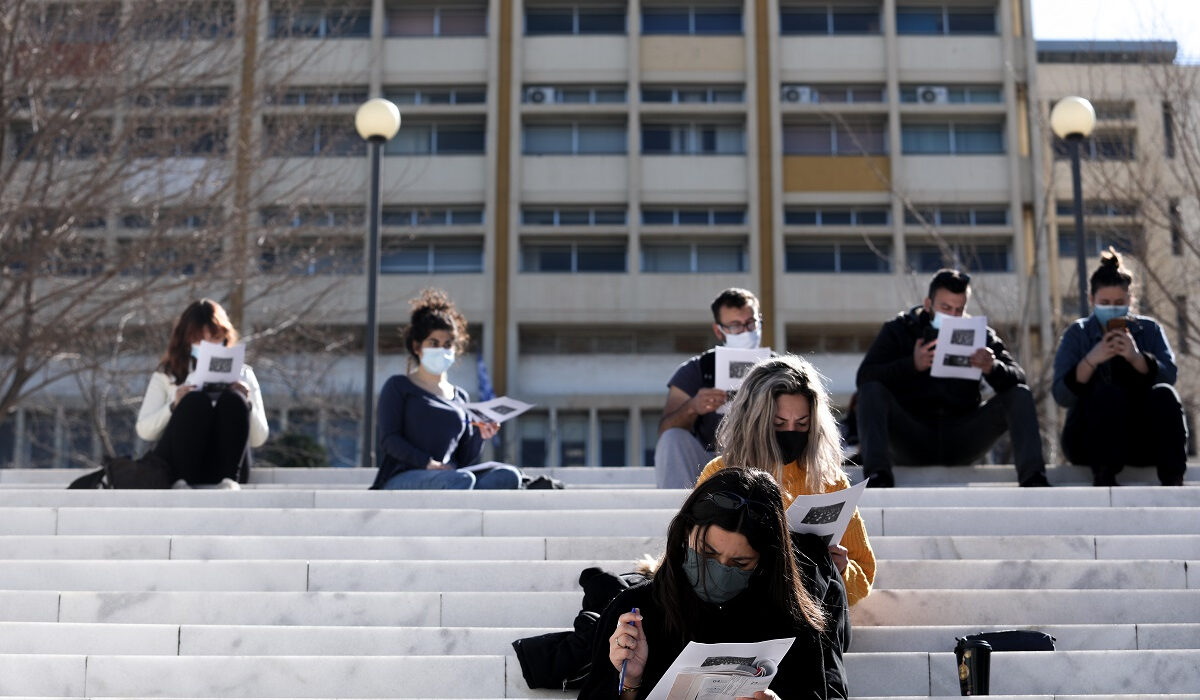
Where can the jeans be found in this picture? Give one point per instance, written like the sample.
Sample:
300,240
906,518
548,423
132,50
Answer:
1112,427
678,459
886,430
502,477
205,442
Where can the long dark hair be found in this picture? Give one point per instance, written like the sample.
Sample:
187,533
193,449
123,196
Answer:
763,524
1110,273
204,314
432,311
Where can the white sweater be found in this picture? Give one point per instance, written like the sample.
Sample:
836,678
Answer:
156,407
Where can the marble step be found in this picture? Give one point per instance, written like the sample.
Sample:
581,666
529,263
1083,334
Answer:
1025,574
979,521
1026,607
218,640
988,608
1066,497
183,547
879,674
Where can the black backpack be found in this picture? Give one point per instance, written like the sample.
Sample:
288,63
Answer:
148,472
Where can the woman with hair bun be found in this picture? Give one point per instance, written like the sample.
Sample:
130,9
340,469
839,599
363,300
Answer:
1114,372
425,431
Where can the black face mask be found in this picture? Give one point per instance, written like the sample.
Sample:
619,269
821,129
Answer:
791,444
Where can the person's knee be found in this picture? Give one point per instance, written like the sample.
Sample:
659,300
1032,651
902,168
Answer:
1020,395
192,402
1164,397
672,443
506,477
229,400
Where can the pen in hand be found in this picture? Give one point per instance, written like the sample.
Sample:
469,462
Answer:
621,678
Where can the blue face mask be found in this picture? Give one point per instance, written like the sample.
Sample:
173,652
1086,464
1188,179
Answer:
196,350
1104,314
936,320
436,360
721,583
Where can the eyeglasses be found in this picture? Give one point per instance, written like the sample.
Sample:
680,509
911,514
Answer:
724,500
739,327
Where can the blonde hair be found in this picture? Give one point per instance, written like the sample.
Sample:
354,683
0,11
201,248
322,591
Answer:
746,438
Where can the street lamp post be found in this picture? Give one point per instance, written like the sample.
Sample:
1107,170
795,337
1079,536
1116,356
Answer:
377,121
1072,120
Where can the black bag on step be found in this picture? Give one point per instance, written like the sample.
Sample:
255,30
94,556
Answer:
1015,640
147,472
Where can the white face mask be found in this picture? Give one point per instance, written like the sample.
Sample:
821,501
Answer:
745,340
436,360
196,350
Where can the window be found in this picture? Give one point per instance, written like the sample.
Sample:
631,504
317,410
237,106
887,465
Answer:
170,218
837,216
320,22
693,139
325,217
178,138
307,96
409,257
8,439
957,216
945,19
614,438
437,96
955,94
828,19
1168,117
76,257
438,139
693,257
82,142
1098,207
1113,111
573,257
457,20
167,97
950,138
720,216
534,431
693,95
839,256
538,94
312,136
181,256
312,256
689,19
1182,326
840,94
572,439
431,216
574,139
39,436
342,434
1175,221
170,21
835,138
974,257
78,432
1098,239
574,20
550,216
623,340
1103,145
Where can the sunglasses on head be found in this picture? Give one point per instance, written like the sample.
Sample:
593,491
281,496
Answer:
726,501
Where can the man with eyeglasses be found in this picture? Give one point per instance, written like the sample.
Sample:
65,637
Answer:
906,413
688,429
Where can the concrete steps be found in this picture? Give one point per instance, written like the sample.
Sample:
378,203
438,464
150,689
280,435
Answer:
314,587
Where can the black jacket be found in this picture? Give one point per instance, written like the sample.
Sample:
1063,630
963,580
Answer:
890,361
743,619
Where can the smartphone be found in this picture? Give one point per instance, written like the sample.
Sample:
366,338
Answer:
929,334
1117,323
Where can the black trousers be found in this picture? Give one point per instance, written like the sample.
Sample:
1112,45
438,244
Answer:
887,430
824,582
1113,426
206,442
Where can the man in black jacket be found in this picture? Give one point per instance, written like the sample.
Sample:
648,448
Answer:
919,419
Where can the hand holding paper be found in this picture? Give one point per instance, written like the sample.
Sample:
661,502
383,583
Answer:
958,340
498,410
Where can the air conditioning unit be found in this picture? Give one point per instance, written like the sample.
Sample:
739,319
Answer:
933,94
797,93
540,95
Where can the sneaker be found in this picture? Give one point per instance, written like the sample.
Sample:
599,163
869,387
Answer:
180,484
229,485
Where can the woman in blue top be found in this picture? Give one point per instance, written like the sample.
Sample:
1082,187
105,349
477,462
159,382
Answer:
1113,372
425,431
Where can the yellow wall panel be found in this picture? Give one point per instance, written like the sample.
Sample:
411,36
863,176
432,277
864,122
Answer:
835,173
724,54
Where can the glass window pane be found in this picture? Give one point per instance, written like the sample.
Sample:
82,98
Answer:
614,430
661,257
549,22
831,94
574,217
658,217
811,257
534,430
855,22
39,433
919,20
693,217
409,259
458,257
602,139
121,424
927,258
665,21
606,217
610,96
729,217
78,430
800,217
463,22
728,95
984,95
859,257
981,138
466,217
807,139
601,22
872,217
953,216
991,217
718,21
925,138
836,217
547,139
804,22
730,140
572,439
460,139
411,140
656,95
972,22
601,258
8,440
650,421
537,217
719,258
695,96
410,22
580,96
656,139
547,258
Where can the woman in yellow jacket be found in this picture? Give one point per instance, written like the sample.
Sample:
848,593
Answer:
780,421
